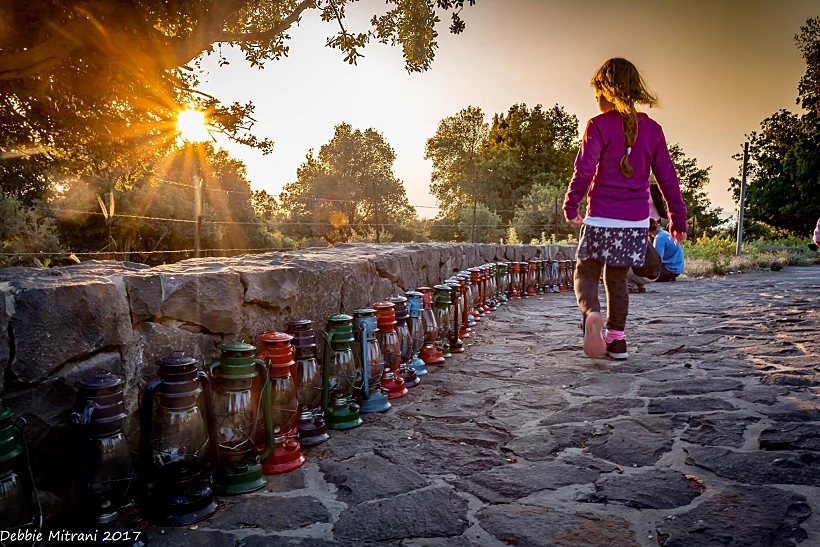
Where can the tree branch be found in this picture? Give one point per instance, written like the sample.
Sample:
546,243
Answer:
44,56
263,36
85,33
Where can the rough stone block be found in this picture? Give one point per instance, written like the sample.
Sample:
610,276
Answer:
738,515
55,323
433,512
541,527
212,300
144,296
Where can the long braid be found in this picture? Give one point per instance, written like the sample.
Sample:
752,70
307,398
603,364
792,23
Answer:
630,119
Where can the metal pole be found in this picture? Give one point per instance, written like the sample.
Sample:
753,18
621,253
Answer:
197,213
475,201
739,250
376,212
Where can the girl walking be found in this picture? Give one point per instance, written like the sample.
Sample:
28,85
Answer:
618,150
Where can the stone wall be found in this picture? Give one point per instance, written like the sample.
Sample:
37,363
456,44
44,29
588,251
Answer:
59,325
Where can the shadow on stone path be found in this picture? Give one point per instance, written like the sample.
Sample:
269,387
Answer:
708,435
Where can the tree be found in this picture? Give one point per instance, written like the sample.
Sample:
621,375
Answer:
348,188
525,144
703,217
784,156
93,88
454,150
540,211
479,224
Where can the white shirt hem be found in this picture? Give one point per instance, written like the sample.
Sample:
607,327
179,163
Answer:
603,222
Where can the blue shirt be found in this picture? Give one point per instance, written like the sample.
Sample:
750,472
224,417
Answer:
671,251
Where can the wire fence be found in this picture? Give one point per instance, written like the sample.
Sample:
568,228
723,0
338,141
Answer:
217,251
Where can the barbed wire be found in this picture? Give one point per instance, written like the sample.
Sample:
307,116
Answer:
99,253
283,223
329,200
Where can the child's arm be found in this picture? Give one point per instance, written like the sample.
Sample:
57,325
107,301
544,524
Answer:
586,163
667,178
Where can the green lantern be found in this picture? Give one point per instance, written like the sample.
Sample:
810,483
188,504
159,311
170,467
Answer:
341,375
242,409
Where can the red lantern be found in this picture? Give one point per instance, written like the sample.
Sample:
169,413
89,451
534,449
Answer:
276,350
429,353
389,341
516,281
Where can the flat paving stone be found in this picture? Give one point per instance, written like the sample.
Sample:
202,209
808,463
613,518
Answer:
544,443
433,457
369,477
513,482
183,537
651,489
688,387
531,526
641,441
739,516
758,467
467,433
434,512
791,436
687,404
270,514
718,429
599,409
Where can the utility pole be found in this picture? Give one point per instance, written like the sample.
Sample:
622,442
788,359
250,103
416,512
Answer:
475,202
739,250
375,211
197,214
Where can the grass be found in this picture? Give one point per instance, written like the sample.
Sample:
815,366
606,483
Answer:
716,255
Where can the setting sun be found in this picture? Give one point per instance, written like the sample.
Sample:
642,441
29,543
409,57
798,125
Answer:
192,126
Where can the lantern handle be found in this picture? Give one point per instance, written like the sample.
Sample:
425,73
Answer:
83,421
293,375
365,359
268,406
326,371
213,439
145,459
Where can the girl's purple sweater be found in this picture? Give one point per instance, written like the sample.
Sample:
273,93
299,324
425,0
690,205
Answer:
613,195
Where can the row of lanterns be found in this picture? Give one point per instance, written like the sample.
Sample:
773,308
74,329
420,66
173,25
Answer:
222,429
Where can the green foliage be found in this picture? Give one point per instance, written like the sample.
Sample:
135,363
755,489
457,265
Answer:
526,147
346,190
499,164
457,165
486,224
25,229
703,218
512,237
540,211
784,156
711,255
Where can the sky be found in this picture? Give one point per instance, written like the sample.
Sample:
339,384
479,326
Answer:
719,67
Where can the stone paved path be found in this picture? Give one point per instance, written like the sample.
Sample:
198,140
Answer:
708,435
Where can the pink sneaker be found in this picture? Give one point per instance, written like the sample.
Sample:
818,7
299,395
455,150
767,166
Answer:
594,344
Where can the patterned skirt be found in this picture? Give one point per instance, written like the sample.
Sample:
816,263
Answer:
613,246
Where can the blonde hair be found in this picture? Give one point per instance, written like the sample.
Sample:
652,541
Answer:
621,83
